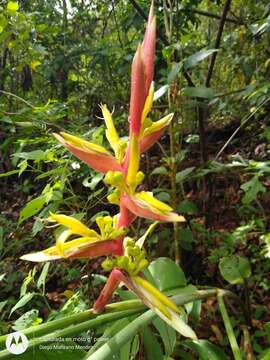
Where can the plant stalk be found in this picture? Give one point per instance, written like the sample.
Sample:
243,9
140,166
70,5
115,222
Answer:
228,327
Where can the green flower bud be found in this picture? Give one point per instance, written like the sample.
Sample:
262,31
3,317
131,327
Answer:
114,197
122,262
108,179
131,267
129,242
142,255
136,251
143,264
139,177
108,264
129,250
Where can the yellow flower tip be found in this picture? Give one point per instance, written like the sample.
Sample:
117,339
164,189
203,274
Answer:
158,125
61,241
59,138
139,178
81,144
148,103
121,150
40,256
153,202
155,293
114,197
73,224
177,218
111,133
134,161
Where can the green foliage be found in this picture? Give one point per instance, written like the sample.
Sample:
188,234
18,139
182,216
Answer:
235,269
56,66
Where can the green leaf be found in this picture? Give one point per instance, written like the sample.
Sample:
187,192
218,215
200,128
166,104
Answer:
36,155
42,278
53,172
32,208
187,207
185,238
194,59
13,6
151,345
167,334
94,181
12,172
30,318
166,274
161,170
135,347
125,351
235,269
3,304
205,349
23,301
199,91
252,188
184,174
192,139
163,196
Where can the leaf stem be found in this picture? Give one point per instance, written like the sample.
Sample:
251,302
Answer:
228,327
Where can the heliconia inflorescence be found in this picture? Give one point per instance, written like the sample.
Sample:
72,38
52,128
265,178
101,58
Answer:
125,257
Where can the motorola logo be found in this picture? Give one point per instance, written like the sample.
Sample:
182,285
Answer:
16,343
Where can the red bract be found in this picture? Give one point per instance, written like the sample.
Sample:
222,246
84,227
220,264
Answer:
149,45
138,91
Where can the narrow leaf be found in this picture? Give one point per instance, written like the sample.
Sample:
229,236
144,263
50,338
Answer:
199,91
194,59
23,301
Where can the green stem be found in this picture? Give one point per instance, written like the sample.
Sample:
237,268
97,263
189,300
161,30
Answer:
173,168
228,327
75,329
107,350
40,330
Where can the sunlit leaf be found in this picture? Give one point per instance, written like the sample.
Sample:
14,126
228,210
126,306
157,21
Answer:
13,6
235,269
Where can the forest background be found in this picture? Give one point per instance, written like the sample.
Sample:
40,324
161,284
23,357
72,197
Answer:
59,60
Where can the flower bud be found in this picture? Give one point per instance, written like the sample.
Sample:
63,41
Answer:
108,264
122,262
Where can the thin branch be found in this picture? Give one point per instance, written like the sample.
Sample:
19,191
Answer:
217,43
243,123
214,16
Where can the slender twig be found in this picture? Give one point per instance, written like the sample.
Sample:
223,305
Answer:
243,123
214,16
226,8
17,97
